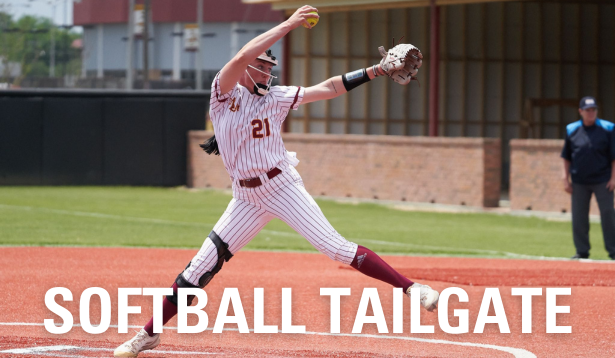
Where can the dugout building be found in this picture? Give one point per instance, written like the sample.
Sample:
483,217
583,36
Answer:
507,69
494,57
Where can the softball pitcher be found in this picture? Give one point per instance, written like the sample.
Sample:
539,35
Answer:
247,114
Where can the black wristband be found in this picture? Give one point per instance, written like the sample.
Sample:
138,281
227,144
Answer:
354,79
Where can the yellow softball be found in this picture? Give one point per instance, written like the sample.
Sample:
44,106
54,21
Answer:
311,20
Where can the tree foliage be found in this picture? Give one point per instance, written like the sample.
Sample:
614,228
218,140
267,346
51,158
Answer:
27,42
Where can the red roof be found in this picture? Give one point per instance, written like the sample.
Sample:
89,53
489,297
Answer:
91,12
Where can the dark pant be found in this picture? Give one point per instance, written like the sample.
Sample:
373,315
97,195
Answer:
581,195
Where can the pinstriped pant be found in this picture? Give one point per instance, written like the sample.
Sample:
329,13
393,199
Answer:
283,197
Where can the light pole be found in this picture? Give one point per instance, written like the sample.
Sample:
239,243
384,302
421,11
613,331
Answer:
146,44
65,45
130,49
52,50
199,51
434,65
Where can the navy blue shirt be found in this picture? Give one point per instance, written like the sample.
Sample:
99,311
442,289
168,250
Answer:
590,151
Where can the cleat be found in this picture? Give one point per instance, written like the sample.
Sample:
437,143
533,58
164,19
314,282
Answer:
429,296
139,343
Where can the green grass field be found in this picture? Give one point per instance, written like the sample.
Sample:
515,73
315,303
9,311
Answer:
173,217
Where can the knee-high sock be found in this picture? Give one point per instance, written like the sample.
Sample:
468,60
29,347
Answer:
369,263
169,310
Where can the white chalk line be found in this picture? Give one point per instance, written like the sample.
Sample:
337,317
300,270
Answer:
516,352
130,218
44,351
103,216
278,233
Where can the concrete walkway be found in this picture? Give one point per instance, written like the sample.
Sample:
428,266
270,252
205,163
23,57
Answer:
503,209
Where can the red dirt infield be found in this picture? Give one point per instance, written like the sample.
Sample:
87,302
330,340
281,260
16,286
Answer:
28,272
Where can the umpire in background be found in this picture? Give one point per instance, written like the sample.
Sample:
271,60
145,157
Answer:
589,167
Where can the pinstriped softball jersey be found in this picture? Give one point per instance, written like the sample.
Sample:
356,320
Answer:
250,147
248,127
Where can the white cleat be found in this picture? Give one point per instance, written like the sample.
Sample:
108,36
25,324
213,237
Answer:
139,343
429,296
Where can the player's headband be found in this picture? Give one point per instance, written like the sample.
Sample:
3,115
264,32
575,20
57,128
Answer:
269,57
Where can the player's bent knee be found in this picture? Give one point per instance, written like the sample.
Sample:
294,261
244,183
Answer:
223,255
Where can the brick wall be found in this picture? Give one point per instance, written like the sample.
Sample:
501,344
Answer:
536,176
419,169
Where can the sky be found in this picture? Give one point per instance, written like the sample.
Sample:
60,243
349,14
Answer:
43,8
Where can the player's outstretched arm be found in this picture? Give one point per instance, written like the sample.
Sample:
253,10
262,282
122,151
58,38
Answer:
401,64
233,70
338,85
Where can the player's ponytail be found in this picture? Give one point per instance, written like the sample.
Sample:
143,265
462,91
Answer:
211,146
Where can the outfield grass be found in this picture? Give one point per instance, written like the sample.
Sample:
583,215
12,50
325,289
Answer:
163,217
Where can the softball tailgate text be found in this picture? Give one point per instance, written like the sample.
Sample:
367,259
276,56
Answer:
231,298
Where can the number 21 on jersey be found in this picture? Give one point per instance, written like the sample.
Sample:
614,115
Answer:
257,128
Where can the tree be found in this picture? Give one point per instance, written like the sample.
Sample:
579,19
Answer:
27,41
